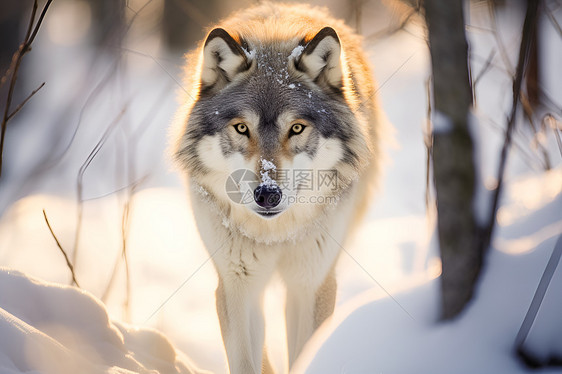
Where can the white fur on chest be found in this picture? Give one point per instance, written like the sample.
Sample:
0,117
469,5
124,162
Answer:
237,256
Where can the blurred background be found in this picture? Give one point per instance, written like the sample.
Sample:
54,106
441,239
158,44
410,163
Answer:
89,149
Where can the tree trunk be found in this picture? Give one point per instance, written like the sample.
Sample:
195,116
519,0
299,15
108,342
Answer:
453,162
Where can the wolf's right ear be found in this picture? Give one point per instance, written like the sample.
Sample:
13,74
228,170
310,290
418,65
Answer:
223,59
321,59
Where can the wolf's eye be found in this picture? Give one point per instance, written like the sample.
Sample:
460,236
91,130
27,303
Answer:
242,129
296,129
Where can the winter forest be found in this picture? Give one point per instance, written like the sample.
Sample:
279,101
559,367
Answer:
454,269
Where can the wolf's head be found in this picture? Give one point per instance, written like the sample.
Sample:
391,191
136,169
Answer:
273,138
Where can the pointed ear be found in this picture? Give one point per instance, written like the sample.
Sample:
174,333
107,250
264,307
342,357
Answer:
320,59
223,59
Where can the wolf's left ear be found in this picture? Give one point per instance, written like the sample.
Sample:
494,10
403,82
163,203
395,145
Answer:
223,59
321,59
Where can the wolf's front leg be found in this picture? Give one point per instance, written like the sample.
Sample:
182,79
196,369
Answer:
239,299
306,308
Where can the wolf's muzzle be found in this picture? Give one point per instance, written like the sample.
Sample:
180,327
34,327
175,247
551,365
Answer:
267,196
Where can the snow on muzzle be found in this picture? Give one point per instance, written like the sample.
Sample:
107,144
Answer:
243,186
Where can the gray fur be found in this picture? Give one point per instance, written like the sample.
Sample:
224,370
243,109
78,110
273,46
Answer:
269,90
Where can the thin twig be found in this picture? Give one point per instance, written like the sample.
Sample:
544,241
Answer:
98,88
131,189
126,222
483,71
493,64
139,181
80,179
148,55
470,74
499,42
15,66
530,18
124,231
19,107
428,141
38,24
125,225
31,22
68,263
521,148
136,14
131,186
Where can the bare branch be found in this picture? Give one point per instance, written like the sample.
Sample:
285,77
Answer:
428,141
499,42
485,69
31,21
180,85
519,146
19,107
139,181
15,66
125,225
39,22
68,263
530,19
80,179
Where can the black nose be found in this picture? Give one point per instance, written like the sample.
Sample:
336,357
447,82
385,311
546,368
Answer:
267,196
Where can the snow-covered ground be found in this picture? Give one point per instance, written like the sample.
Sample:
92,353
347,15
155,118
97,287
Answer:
374,334
49,328
385,319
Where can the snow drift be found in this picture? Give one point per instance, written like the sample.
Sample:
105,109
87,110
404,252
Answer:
49,328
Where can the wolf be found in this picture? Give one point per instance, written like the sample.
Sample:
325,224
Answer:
275,92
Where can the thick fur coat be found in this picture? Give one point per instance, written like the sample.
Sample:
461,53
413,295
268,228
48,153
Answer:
277,90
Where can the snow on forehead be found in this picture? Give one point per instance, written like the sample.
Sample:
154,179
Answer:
273,63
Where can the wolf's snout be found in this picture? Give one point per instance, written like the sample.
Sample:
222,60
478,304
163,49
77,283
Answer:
267,196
